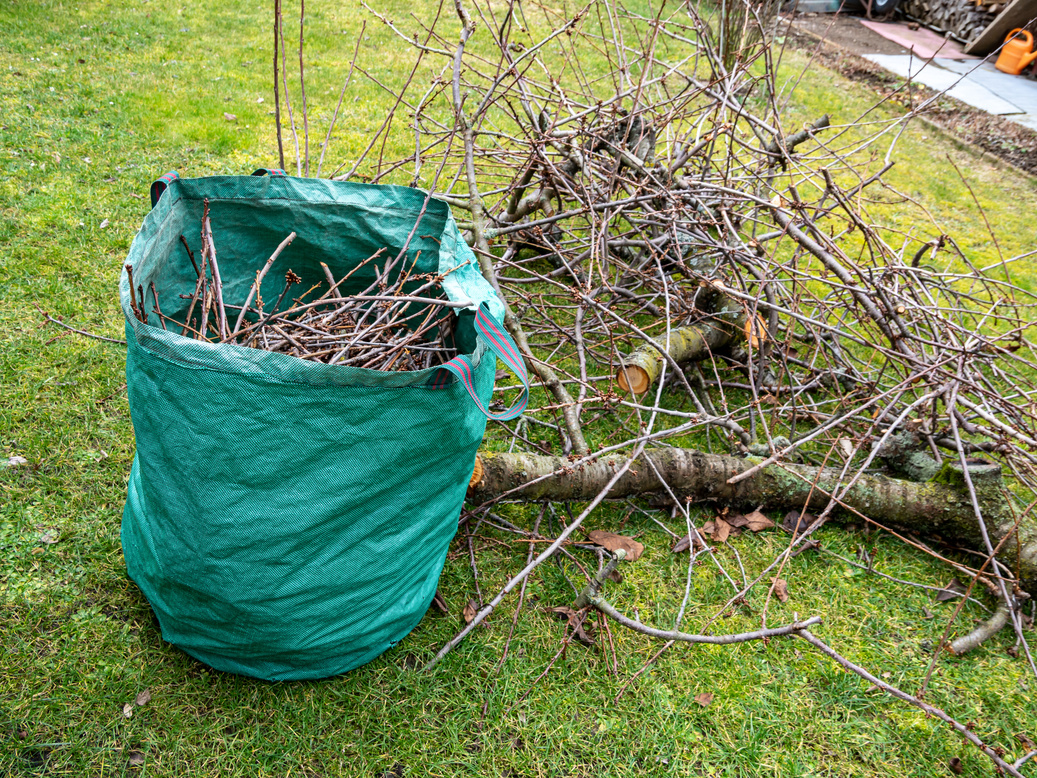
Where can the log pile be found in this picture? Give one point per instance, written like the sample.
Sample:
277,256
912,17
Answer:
964,20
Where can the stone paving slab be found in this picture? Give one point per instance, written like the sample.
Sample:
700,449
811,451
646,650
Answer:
921,42
934,75
1021,92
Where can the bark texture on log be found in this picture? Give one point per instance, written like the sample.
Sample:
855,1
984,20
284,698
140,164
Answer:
727,322
697,341
940,506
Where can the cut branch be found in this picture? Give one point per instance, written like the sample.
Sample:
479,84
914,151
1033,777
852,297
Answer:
940,506
694,342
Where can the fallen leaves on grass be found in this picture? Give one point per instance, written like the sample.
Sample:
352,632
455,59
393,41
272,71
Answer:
230,117
614,542
470,610
757,522
781,589
142,698
797,522
16,461
951,591
704,699
754,522
724,527
136,758
718,529
575,620
684,544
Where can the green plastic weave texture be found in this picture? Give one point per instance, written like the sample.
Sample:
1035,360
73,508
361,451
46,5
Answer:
289,519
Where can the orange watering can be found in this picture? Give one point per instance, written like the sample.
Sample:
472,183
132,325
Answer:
1016,54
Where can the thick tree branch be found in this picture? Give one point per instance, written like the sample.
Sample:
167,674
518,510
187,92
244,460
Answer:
940,506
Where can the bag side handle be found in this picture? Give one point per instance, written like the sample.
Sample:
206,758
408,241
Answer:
269,171
500,343
161,184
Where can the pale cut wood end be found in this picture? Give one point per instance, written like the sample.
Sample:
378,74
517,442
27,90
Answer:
633,379
476,473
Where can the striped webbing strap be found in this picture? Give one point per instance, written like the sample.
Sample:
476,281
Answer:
501,344
161,184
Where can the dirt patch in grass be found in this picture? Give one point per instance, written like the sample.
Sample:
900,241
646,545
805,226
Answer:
1008,141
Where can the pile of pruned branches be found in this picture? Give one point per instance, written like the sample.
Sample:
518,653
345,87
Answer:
386,326
681,265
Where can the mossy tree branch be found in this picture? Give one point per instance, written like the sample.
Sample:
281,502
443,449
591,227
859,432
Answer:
940,506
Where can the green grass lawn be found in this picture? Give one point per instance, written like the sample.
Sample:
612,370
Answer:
101,97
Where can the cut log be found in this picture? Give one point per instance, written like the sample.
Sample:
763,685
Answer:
476,473
938,507
730,324
697,341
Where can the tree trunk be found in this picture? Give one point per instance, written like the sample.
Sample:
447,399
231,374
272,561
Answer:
938,507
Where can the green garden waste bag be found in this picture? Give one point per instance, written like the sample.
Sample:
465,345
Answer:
285,518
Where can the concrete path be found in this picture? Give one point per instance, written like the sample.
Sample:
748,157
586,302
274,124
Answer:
975,82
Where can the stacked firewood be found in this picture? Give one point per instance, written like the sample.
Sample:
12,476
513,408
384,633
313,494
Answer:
963,19
395,323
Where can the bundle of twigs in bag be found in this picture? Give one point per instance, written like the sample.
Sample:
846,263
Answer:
383,327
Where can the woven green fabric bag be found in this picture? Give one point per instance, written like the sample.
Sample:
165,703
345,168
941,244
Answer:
289,519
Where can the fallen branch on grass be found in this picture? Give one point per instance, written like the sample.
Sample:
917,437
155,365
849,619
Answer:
591,596
939,507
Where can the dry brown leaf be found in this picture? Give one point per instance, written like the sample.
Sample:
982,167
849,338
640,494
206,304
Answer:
144,697
576,620
797,522
956,766
614,542
230,117
718,529
127,709
704,698
781,589
951,591
737,521
136,758
470,610
808,545
756,522
686,543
